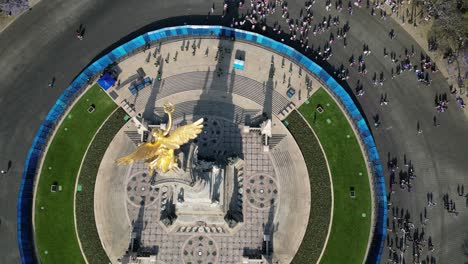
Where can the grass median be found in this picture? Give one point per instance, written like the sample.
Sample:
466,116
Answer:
55,235
351,216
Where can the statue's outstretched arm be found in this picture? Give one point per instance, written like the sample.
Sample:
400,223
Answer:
168,109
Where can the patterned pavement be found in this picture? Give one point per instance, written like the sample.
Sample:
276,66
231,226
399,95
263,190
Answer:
201,244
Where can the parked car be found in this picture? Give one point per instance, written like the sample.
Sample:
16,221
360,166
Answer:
291,92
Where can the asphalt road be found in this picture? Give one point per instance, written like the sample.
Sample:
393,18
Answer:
41,45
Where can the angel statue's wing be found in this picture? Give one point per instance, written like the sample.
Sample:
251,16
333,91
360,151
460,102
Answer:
183,134
143,151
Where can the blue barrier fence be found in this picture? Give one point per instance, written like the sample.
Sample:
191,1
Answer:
25,197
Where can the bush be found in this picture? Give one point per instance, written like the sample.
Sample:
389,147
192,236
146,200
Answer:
320,190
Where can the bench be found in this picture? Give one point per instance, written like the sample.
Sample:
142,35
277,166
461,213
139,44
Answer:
139,85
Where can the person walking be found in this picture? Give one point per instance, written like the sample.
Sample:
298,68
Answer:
434,119
418,127
7,169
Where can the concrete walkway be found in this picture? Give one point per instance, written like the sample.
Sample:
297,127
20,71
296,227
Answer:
110,198
176,62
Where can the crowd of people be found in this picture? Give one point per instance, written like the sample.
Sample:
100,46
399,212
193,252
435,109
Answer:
441,102
406,176
449,204
404,235
300,28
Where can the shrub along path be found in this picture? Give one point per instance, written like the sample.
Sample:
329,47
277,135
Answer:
54,224
85,221
320,191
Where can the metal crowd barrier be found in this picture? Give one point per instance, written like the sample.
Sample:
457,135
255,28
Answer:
25,197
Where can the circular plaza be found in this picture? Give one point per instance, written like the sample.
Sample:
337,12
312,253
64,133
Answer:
265,180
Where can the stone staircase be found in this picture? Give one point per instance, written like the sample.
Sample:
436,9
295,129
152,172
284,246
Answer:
209,81
201,108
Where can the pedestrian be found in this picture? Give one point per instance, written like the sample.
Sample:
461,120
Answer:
436,124
418,126
3,171
52,82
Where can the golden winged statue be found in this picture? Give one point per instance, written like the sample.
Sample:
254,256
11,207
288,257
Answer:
158,153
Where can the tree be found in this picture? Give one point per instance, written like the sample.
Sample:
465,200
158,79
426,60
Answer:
450,28
14,7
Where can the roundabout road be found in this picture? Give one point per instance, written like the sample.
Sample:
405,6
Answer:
41,45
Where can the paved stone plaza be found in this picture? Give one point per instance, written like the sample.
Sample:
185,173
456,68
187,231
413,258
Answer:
267,185
145,198
171,243
264,80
